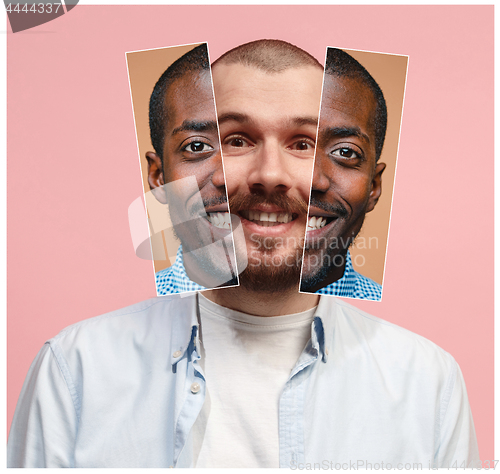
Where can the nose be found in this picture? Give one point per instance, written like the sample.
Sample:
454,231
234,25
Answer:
218,173
272,171
320,182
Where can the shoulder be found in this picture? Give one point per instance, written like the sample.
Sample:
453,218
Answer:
391,345
153,318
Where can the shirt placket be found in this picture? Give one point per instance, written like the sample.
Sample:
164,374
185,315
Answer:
291,408
190,396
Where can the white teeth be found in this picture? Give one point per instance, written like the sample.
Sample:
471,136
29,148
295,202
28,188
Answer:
316,223
268,219
222,220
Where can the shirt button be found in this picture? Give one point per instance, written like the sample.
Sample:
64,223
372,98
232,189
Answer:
195,387
177,354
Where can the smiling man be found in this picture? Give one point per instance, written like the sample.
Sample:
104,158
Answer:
185,172
347,180
257,375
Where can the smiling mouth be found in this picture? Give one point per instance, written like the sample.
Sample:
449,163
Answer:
317,222
268,219
221,220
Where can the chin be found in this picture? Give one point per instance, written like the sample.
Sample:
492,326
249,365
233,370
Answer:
272,272
317,268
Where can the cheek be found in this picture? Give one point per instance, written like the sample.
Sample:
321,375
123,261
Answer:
201,170
235,172
302,175
303,180
356,192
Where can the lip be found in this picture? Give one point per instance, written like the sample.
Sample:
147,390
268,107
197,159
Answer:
220,208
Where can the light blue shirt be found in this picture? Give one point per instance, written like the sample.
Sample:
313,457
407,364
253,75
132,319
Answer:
124,390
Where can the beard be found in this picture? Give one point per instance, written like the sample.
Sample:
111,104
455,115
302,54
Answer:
330,254
268,270
211,258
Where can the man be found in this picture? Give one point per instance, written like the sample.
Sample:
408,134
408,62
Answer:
347,180
256,375
185,172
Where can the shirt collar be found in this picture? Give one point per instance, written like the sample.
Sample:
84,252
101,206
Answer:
348,280
180,275
323,325
185,325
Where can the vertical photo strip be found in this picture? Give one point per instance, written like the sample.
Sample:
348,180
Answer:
188,236
354,170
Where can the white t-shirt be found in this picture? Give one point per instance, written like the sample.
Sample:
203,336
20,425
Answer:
246,361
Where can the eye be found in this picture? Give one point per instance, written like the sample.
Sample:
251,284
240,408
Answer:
346,153
236,142
303,145
197,147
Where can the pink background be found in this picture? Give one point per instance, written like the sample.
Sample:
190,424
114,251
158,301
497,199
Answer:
73,167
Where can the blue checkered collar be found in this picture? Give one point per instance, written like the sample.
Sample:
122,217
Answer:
347,283
180,277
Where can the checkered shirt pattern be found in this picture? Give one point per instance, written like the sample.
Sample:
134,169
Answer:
353,285
174,279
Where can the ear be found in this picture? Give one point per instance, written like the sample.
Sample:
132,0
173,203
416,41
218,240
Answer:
155,177
376,187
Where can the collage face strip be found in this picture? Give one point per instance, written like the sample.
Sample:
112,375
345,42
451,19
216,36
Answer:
267,104
190,236
263,168
356,153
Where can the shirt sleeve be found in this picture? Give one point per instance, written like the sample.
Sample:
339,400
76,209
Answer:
44,427
458,443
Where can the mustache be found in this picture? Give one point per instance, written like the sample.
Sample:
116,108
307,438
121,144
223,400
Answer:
336,208
288,204
198,208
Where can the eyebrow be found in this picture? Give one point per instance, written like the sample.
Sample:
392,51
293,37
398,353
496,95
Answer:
196,126
244,118
343,132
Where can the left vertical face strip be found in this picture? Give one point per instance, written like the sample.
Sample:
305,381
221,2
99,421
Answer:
182,168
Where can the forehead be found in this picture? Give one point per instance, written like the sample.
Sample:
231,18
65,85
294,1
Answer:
189,97
267,97
347,102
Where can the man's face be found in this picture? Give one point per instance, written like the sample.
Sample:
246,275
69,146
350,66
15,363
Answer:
192,172
346,181
267,125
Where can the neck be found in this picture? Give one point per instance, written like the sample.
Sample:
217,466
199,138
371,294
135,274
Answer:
262,303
